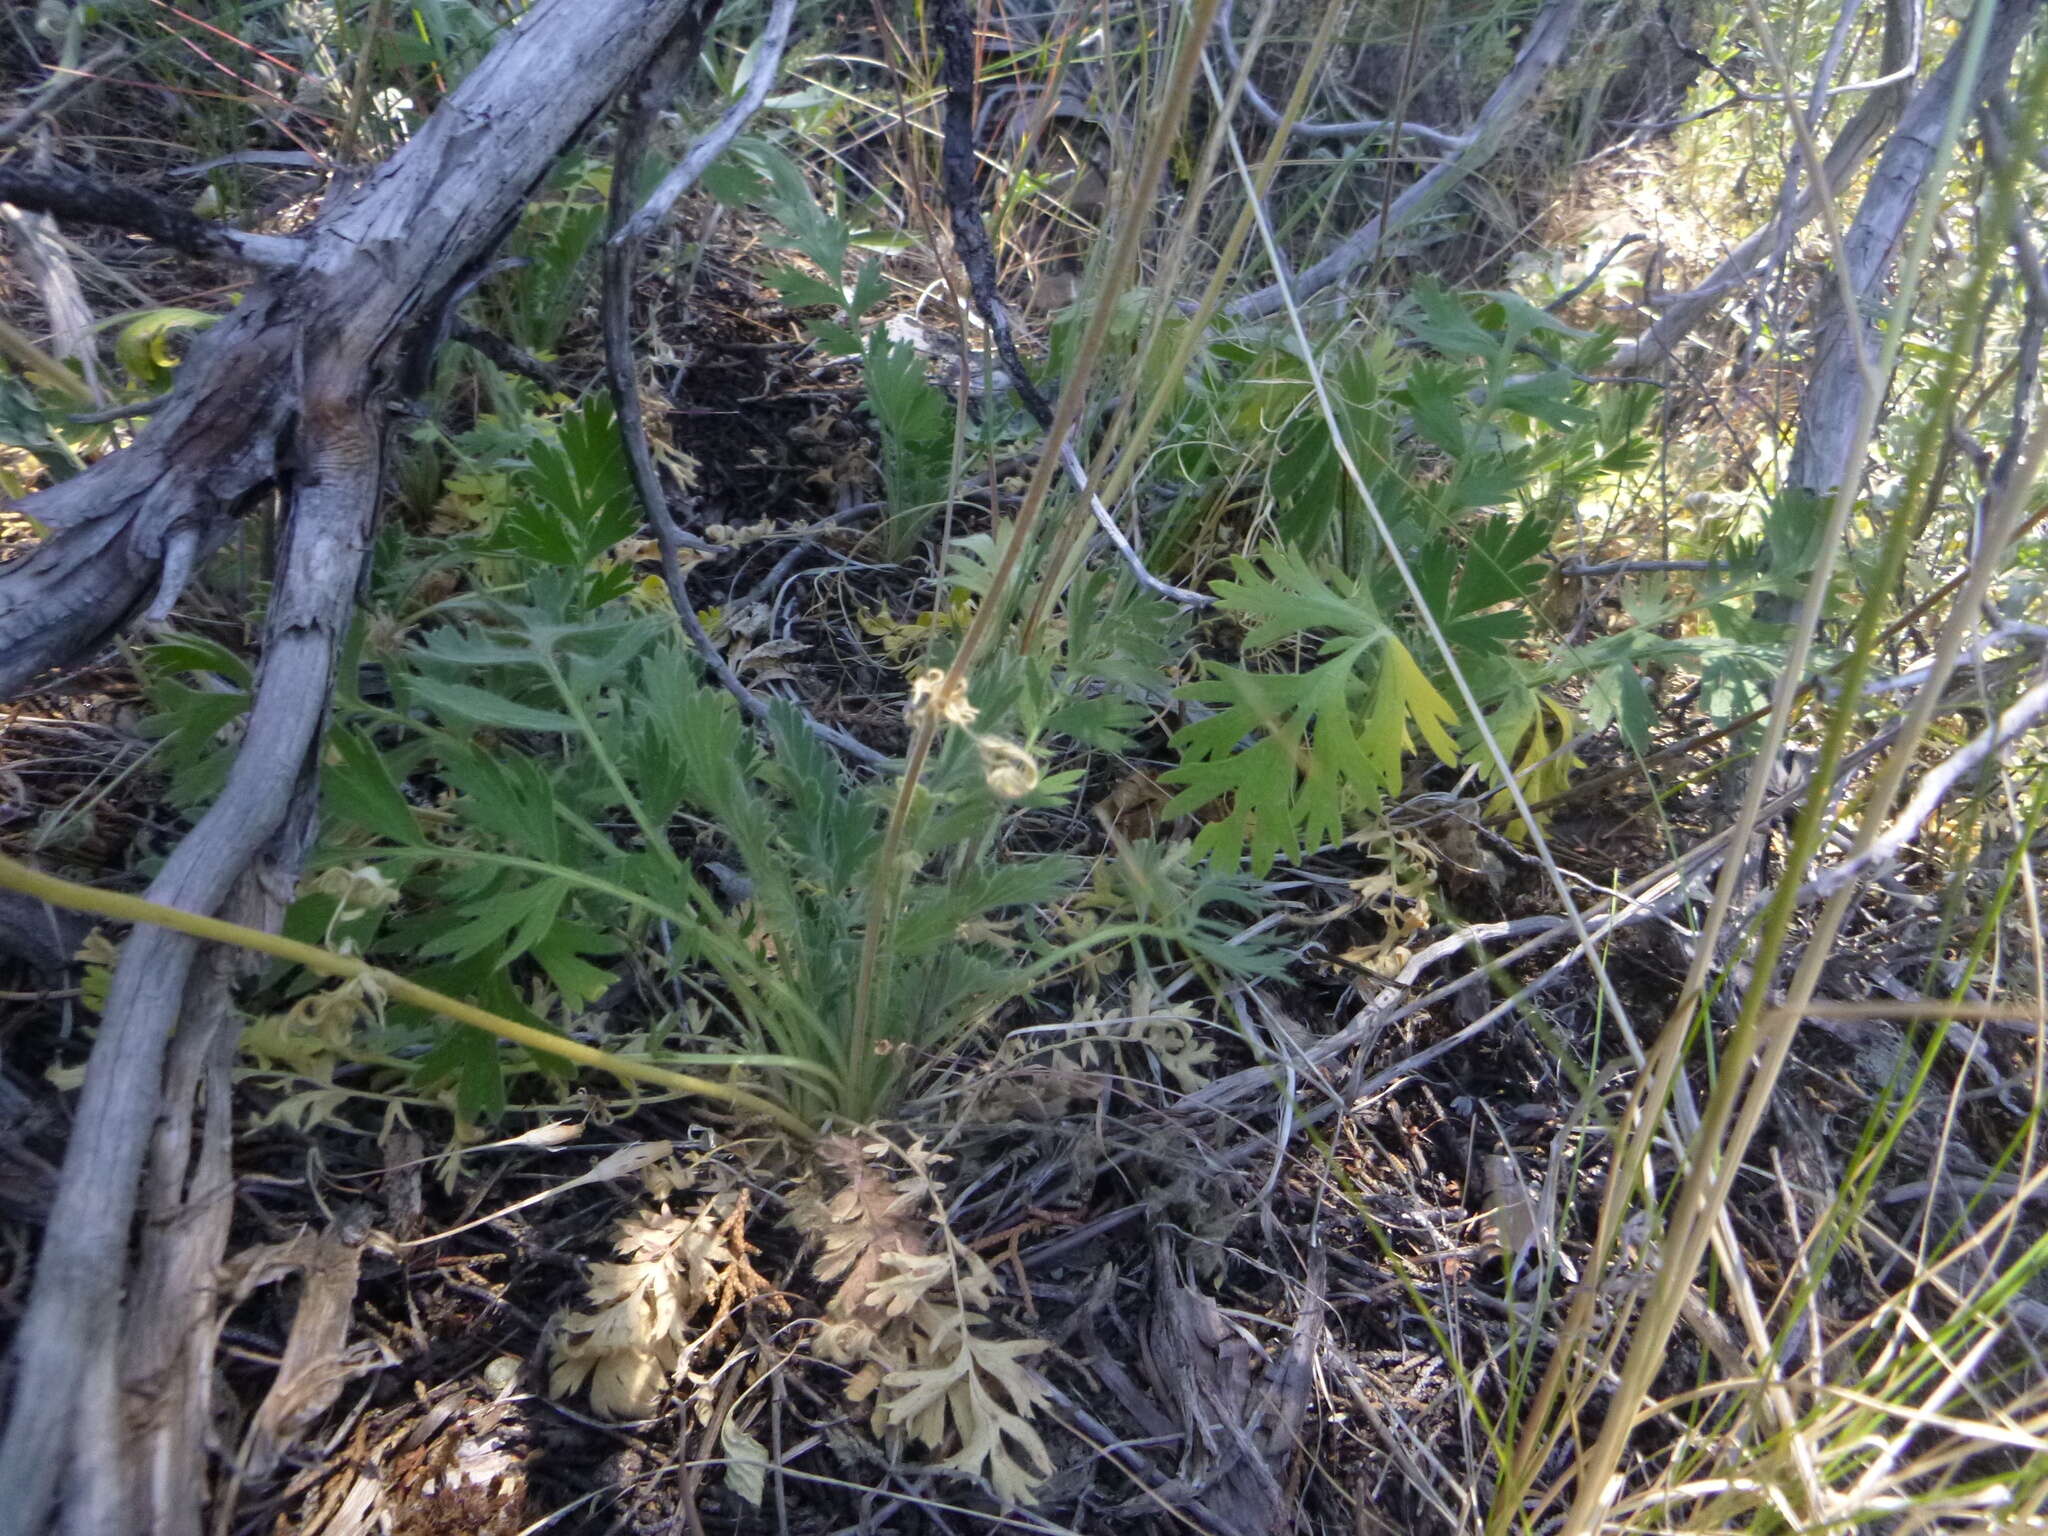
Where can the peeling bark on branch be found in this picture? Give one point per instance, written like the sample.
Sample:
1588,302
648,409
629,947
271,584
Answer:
384,256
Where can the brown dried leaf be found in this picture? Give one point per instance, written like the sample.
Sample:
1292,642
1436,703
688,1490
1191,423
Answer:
628,1345
870,1218
981,1391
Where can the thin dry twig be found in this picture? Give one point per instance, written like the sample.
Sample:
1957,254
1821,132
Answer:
971,242
1935,787
1542,50
621,260
1357,128
767,66
60,88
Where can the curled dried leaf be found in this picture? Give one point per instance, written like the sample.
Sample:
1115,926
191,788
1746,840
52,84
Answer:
981,1391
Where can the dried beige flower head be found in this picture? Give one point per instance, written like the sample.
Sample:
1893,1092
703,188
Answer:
1008,769
356,890
932,694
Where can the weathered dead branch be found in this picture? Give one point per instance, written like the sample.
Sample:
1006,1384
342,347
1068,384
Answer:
1543,48
287,394
1679,314
620,266
77,197
1847,340
1357,128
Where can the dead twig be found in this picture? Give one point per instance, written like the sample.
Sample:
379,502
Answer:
1543,49
621,260
1357,128
82,198
60,88
1593,276
767,66
971,242
1935,787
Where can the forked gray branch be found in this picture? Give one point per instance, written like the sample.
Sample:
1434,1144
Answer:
1846,338
1357,128
1543,48
767,68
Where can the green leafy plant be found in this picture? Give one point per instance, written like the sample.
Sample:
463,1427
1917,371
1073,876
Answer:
914,420
758,175
916,426
569,754
1098,669
537,500
536,299
1293,757
198,691
1343,667
33,424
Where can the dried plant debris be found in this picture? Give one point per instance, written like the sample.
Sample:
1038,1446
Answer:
1241,1408
976,1394
642,1327
452,1463
905,1315
1047,1071
318,1361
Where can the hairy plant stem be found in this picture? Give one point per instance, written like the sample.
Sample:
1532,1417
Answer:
326,962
